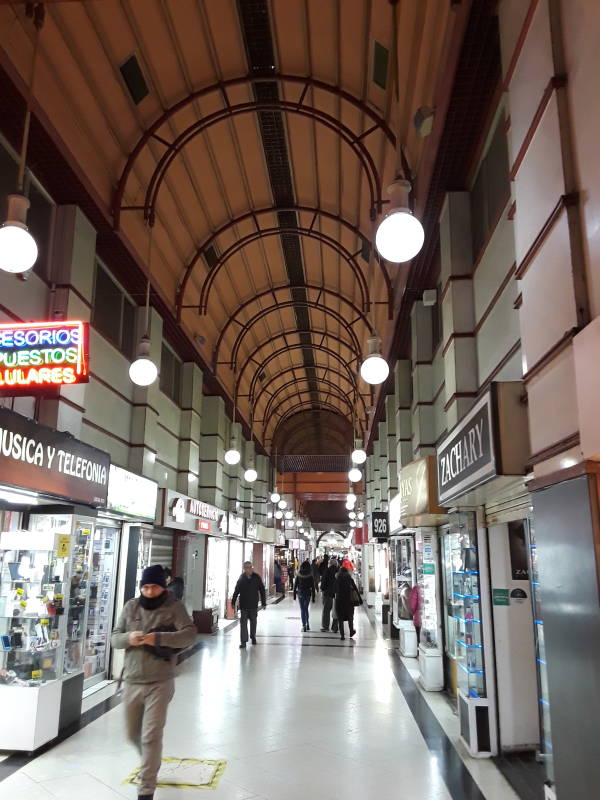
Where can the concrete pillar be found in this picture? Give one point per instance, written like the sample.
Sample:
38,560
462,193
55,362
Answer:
423,418
233,473
458,306
190,428
72,272
261,491
212,450
390,425
384,464
403,397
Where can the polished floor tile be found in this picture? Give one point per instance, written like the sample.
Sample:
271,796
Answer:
299,715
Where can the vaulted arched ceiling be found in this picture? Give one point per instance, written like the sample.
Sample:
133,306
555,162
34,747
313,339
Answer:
259,156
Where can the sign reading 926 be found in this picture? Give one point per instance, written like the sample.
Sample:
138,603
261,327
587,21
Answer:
380,525
36,356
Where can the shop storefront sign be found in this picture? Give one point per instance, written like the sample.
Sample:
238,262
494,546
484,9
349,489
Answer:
33,456
235,526
190,514
35,356
251,530
429,569
466,458
131,494
491,441
417,495
380,525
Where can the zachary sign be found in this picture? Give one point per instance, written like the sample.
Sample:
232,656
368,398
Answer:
33,456
35,356
466,458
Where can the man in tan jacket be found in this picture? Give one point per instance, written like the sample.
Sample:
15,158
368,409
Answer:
151,629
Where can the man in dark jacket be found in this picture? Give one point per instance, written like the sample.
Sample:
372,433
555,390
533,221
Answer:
248,588
151,629
328,589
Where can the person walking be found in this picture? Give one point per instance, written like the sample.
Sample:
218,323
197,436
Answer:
277,577
315,573
328,591
174,585
248,588
304,589
346,596
151,628
323,565
291,573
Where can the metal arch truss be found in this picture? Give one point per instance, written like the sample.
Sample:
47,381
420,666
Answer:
310,232
276,306
274,354
328,533
255,399
333,391
355,140
301,426
322,405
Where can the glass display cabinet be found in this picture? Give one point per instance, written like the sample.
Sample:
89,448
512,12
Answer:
431,664
44,578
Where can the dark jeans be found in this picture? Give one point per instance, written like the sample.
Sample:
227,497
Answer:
326,616
304,606
350,624
245,615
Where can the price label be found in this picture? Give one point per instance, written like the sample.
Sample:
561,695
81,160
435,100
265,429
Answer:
20,592
63,546
44,622
58,596
23,603
36,673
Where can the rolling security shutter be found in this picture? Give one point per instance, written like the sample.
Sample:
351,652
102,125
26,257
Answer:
508,509
162,547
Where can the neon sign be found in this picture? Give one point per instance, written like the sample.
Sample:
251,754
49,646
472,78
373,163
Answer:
35,356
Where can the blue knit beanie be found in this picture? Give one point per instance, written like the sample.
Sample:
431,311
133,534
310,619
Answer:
154,574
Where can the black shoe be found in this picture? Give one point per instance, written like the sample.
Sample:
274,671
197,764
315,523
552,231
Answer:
308,627
343,638
304,629
352,633
243,646
254,640
324,630
145,797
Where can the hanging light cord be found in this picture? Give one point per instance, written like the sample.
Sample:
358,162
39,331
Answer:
149,262
38,13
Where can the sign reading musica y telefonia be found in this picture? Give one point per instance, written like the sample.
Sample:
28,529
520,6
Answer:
35,356
33,456
467,458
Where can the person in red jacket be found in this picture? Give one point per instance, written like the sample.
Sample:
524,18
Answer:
415,609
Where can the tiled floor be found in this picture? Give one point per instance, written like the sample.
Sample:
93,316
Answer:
298,716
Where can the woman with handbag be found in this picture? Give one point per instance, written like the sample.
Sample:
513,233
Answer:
347,597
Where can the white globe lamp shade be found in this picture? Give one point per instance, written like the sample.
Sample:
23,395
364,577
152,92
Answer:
282,504
302,530
298,523
250,475
288,515
361,515
354,475
352,515
349,506
400,235
374,369
351,498
18,249
289,523
279,515
233,456
352,523
275,497
269,515
143,371
359,456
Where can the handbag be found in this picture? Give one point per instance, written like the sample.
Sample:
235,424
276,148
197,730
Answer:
355,597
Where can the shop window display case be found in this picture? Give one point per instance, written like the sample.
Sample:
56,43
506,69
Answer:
43,605
431,664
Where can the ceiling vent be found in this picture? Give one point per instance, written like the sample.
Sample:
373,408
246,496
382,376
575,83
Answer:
381,57
134,79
